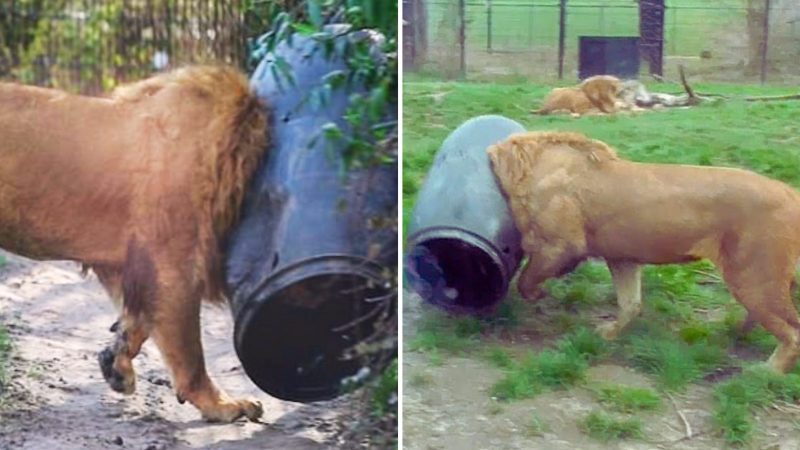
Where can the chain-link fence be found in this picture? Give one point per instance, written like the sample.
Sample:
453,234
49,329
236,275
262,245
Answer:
92,45
722,40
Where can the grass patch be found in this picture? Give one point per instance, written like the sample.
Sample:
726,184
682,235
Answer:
756,387
627,399
550,369
500,357
5,348
606,427
590,284
536,426
674,363
585,343
441,333
557,368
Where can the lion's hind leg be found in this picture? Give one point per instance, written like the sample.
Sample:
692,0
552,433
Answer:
764,288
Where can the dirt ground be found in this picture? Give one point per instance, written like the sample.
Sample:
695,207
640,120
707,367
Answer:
449,406
56,397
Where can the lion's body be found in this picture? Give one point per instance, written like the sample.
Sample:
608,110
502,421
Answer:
573,198
567,99
595,95
142,187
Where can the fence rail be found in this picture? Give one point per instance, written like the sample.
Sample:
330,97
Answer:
92,45
719,41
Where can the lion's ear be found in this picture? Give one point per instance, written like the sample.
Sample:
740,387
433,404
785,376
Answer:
505,162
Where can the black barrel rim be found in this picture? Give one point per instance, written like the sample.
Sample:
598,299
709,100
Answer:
488,251
277,368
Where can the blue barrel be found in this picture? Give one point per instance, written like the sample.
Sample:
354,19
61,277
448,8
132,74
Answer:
463,246
308,267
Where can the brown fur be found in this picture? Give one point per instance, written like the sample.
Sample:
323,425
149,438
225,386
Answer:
595,95
602,91
572,198
143,187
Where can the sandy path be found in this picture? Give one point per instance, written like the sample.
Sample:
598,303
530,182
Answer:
57,398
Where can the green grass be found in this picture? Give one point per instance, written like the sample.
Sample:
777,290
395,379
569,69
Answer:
606,427
627,399
557,368
440,333
589,284
756,387
674,363
500,357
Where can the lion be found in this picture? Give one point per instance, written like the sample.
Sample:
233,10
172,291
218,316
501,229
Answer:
573,198
141,187
602,91
567,99
595,95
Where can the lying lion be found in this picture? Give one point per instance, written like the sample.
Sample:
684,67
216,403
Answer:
573,198
595,95
143,188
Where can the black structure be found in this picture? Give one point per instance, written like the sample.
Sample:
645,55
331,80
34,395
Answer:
651,31
602,55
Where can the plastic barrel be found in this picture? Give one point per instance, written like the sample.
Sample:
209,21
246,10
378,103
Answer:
307,266
463,247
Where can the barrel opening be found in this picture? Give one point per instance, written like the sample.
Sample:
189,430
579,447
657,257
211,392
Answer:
455,275
296,343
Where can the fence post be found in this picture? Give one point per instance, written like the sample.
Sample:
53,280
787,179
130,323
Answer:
489,26
462,24
764,43
562,30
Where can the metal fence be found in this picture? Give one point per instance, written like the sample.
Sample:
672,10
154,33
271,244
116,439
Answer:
92,45
721,40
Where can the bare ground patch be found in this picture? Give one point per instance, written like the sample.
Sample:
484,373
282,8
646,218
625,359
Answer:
55,396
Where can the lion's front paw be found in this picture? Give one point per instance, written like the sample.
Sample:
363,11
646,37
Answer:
230,410
122,381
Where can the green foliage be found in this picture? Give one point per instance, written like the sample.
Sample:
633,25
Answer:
606,427
368,117
756,387
627,399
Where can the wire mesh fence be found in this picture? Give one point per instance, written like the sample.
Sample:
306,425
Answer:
721,40
92,45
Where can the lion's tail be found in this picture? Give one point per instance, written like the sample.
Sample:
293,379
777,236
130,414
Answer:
240,137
